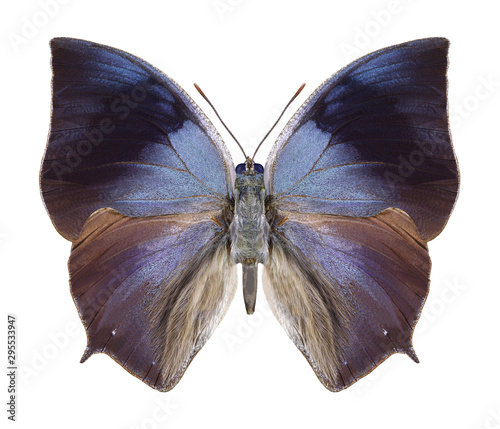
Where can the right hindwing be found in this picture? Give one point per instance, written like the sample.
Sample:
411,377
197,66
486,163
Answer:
348,291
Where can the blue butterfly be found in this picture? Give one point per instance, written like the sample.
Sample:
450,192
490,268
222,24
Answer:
360,179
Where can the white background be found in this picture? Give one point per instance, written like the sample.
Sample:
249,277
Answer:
250,57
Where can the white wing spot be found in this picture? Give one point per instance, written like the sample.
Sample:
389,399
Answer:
114,332
384,331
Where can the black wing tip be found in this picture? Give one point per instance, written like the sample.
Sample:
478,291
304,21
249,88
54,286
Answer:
427,43
438,41
422,45
73,44
64,42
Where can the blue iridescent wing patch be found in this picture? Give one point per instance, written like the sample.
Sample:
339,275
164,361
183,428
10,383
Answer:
125,136
373,136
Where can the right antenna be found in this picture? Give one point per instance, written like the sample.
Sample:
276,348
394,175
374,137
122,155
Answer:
280,116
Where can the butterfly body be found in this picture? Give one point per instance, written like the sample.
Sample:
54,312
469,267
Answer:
249,230
357,183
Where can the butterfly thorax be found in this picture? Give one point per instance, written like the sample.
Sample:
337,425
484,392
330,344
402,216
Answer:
249,231
249,228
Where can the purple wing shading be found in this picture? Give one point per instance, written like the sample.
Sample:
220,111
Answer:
150,291
125,136
348,291
373,136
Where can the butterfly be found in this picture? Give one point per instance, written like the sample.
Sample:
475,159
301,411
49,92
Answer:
357,183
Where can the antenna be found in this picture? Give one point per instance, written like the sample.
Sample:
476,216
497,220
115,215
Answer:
220,119
280,116
229,131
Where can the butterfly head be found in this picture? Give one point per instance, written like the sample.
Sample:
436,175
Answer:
249,168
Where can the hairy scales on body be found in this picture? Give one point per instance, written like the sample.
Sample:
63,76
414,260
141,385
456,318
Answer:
249,229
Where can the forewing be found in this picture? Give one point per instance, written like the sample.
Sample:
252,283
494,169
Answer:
347,290
373,136
150,291
125,136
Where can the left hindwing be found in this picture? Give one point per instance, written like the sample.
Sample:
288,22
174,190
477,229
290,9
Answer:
348,291
150,291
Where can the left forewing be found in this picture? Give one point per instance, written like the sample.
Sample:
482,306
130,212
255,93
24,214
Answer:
348,291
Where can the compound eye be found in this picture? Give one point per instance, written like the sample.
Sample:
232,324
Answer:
240,168
258,168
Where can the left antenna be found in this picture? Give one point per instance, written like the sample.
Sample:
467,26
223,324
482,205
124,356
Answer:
220,119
